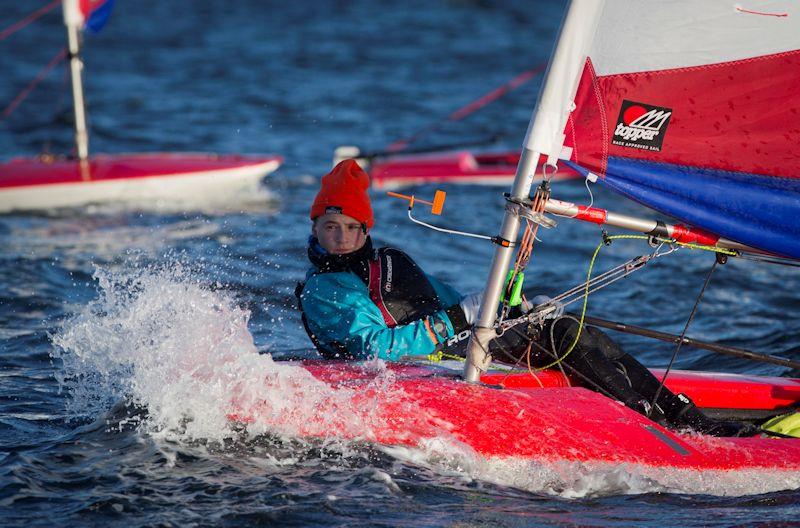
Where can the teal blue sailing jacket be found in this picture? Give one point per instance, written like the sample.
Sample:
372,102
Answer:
340,312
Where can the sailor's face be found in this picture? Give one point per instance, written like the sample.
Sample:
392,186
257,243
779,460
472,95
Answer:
339,234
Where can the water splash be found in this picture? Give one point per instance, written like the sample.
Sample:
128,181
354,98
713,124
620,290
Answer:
158,338
146,339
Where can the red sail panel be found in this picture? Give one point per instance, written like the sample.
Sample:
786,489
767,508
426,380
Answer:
740,116
95,13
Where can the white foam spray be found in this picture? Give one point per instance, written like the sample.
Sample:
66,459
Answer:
156,337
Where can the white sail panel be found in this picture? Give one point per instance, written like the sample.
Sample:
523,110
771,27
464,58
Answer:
546,129
648,35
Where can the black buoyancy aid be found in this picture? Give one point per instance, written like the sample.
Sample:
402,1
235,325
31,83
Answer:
399,288
396,284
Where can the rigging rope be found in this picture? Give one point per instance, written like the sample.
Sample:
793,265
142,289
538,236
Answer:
16,26
683,334
57,58
524,252
470,108
589,282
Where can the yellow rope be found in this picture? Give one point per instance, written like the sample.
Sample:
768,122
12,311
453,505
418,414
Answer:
715,249
585,300
439,355
435,357
589,276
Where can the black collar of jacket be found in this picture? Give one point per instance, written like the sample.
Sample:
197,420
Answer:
330,263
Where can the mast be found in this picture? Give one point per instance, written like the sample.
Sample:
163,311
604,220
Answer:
73,19
545,136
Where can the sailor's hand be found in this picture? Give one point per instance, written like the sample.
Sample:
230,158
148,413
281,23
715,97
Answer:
552,309
471,305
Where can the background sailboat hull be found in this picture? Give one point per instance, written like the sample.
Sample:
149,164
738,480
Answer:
35,184
461,167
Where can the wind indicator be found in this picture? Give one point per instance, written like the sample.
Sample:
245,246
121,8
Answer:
437,205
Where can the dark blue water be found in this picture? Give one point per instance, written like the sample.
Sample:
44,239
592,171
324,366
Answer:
102,314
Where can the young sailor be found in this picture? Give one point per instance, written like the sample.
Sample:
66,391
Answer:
360,302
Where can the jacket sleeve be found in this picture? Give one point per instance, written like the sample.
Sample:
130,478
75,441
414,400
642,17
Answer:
338,309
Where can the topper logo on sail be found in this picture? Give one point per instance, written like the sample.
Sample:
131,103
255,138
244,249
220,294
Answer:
641,126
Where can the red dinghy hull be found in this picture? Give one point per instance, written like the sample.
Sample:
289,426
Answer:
539,419
30,184
450,167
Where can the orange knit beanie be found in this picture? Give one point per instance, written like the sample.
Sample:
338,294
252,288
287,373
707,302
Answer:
344,191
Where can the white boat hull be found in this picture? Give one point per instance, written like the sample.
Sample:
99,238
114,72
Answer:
198,185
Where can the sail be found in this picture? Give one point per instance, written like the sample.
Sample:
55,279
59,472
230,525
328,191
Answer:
692,109
87,14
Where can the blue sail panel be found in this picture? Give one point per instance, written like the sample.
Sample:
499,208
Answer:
98,14
759,211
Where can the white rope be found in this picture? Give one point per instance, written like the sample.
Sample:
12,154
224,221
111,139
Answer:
443,230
